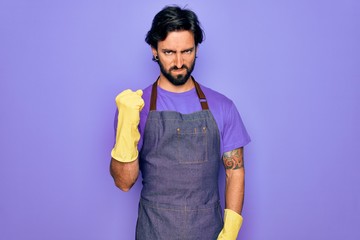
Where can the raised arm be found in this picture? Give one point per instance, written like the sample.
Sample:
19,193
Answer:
124,167
234,193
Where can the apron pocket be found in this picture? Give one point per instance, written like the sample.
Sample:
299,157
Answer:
157,223
168,223
192,145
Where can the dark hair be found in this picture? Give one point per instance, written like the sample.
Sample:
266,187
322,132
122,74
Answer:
173,18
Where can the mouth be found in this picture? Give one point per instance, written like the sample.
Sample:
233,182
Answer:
178,70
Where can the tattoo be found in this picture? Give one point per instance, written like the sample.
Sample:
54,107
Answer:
234,159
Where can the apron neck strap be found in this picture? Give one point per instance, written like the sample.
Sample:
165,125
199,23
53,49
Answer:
199,92
201,95
153,96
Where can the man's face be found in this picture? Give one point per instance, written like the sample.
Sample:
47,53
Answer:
176,56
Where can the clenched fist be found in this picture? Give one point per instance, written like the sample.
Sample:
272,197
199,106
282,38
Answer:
129,105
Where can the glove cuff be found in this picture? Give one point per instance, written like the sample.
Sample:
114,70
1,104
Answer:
125,149
232,219
232,225
125,158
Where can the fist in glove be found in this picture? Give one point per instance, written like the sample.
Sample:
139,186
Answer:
129,105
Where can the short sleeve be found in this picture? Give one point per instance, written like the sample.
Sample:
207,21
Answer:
234,134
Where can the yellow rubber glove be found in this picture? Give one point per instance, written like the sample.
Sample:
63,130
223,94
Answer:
232,225
129,105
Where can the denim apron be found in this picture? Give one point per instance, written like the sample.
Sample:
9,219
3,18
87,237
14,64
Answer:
179,162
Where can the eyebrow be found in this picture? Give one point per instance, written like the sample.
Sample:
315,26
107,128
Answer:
169,50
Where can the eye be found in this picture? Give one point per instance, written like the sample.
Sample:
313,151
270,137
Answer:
188,51
168,52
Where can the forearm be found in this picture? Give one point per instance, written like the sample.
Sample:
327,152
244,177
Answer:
124,174
234,190
234,194
235,179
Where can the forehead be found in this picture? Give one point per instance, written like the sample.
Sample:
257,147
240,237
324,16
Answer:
177,40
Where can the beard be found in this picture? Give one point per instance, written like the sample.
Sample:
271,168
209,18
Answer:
179,79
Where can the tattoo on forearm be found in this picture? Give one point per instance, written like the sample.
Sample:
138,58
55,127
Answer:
234,159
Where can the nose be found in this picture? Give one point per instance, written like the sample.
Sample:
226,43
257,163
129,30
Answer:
179,61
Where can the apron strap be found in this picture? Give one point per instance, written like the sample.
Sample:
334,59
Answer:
153,96
201,96
199,92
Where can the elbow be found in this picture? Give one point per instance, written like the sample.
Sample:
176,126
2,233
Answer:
124,186
124,175
236,174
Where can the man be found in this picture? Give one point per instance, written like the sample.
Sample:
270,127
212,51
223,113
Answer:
176,132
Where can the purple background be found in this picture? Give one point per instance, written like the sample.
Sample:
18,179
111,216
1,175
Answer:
291,67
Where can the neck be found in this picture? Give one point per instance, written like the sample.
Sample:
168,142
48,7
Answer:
165,84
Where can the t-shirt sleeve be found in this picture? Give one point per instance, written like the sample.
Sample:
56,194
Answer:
234,131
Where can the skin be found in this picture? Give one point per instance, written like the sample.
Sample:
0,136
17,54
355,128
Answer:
176,55
235,179
177,50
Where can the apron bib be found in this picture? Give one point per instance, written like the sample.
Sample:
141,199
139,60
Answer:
179,162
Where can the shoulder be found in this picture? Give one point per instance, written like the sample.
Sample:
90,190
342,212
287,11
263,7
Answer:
232,130
216,99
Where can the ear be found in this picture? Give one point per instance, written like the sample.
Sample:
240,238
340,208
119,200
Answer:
154,51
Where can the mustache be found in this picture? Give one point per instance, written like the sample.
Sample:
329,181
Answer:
176,68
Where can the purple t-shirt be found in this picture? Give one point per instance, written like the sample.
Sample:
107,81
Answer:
232,130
